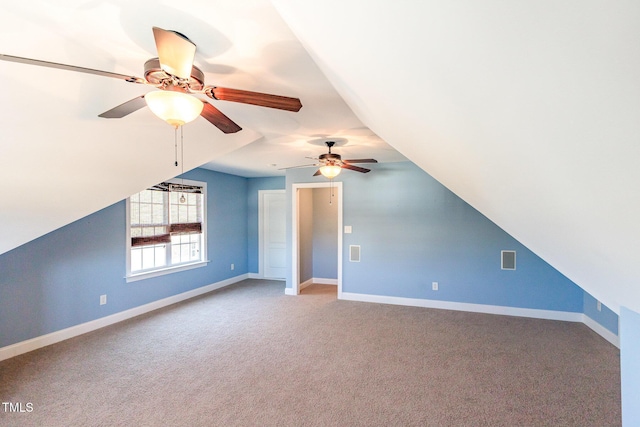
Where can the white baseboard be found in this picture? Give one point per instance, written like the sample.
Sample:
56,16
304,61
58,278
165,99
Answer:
463,306
321,281
305,284
259,276
601,330
318,281
64,334
73,331
566,316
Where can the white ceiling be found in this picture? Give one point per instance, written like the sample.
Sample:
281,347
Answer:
60,162
527,110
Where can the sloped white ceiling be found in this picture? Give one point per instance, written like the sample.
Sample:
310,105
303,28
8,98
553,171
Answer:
529,111
60,162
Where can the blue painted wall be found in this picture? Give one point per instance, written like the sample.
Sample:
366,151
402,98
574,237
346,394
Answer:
55,282
253,186
305,234
325,231
413,231
630,366
606,317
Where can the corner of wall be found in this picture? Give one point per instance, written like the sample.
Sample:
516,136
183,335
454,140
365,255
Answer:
597,315
630,366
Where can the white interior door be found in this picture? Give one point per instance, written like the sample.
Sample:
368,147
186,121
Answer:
273,235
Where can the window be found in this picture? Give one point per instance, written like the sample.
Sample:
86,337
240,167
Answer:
166,229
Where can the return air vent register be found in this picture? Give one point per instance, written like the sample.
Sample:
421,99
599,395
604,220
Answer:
508,260
354,253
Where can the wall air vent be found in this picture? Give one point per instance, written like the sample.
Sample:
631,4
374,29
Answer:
354,253
508,260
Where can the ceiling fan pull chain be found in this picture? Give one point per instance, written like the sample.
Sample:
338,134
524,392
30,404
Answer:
330,191
175,140
182,198
182,148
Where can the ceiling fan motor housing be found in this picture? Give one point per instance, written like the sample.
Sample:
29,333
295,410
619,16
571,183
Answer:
155,75
330,158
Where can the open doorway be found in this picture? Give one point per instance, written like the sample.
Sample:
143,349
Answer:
317,236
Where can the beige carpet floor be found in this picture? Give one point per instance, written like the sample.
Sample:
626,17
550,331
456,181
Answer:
248,355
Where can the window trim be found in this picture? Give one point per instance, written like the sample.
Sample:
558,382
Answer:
164,271
133,277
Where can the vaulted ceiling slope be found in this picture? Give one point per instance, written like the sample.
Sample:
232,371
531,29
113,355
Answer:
529,111
60,162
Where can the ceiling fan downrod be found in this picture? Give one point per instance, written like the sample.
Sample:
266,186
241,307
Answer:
330,144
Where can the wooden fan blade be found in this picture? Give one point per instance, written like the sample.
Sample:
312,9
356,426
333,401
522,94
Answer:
317,173
361,161
218,119
124,109
29,61
355,168
175,52
254,98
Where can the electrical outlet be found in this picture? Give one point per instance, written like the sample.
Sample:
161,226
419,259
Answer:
103,299
434,286
599,306
233,267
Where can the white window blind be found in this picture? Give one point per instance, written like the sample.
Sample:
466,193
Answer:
166,226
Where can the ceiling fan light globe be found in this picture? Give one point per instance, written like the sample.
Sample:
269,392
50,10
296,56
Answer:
330,171
175,108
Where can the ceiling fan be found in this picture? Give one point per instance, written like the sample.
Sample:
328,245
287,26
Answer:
331,163
177,78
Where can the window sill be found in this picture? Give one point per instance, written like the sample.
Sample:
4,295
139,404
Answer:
164,271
